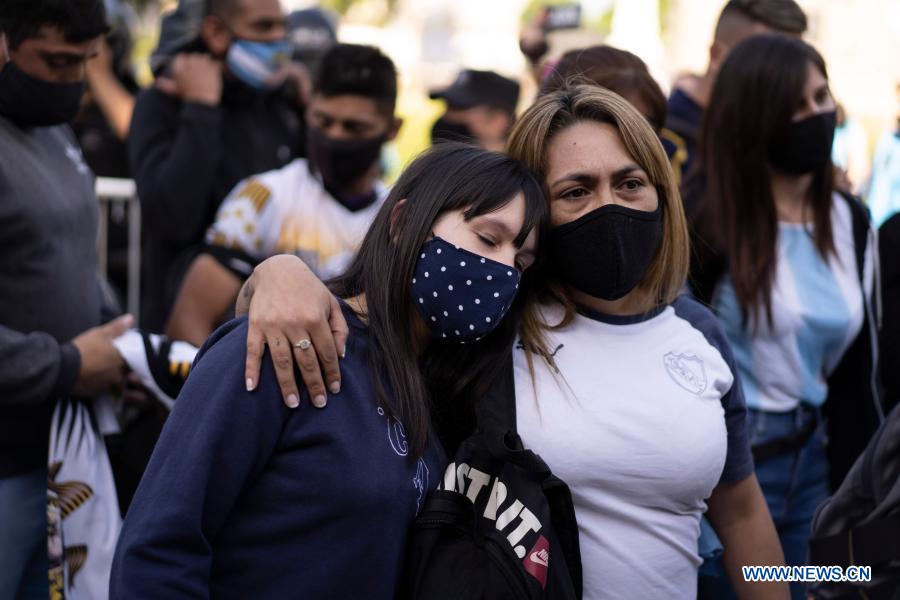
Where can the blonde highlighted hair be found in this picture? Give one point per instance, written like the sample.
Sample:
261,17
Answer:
529,142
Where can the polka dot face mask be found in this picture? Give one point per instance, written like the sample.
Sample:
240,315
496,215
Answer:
461,296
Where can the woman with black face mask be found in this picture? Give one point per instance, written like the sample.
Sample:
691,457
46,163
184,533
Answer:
788,265
246,498
626,74
628,392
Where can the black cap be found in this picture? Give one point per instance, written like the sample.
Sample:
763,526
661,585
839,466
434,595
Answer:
480,88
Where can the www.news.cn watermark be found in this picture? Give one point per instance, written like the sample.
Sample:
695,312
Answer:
809,574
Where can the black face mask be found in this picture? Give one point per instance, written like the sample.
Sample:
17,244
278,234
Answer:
342,162
805,146
447,131
32,102
606,252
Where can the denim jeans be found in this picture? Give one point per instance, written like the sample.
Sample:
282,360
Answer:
23,536
794,484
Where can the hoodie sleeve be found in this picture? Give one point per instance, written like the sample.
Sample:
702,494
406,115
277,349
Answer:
175,150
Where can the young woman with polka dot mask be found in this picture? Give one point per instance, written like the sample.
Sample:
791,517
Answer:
461,294
436,279
460,227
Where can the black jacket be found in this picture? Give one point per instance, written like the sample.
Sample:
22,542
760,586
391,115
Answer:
889,244
854,408
186,158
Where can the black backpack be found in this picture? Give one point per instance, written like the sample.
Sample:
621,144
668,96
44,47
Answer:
860,524
500,525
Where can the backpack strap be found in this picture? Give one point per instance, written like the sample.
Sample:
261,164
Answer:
497,409
873,543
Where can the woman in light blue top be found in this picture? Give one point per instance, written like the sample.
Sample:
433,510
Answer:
788,265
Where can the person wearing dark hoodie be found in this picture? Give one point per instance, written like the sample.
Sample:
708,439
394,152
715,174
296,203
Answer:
247,498
217,113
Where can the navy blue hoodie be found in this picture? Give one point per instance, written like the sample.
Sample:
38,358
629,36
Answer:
245,498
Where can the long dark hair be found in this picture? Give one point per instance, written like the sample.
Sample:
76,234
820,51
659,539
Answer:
448,177
735,225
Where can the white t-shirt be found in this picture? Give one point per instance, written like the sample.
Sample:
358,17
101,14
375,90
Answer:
817,312
643,420
289,211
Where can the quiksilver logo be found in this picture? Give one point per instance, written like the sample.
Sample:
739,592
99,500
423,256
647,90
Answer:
687,371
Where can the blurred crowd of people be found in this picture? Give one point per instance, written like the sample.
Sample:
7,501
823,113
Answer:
727,228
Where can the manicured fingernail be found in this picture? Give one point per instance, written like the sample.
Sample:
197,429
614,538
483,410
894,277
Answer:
344,353
249,385
293,401
335,387
319,401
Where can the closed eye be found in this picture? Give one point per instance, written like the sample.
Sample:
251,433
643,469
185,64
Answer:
487,241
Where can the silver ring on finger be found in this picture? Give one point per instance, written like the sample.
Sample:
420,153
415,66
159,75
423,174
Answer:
303,344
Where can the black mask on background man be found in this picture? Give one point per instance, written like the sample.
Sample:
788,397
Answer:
342,162
805,146
606,252
32,102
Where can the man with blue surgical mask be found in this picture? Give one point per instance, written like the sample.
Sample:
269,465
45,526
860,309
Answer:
216,114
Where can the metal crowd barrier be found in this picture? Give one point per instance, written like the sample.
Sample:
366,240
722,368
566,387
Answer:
121,195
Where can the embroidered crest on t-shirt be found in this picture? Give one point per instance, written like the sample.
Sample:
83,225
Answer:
687,371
